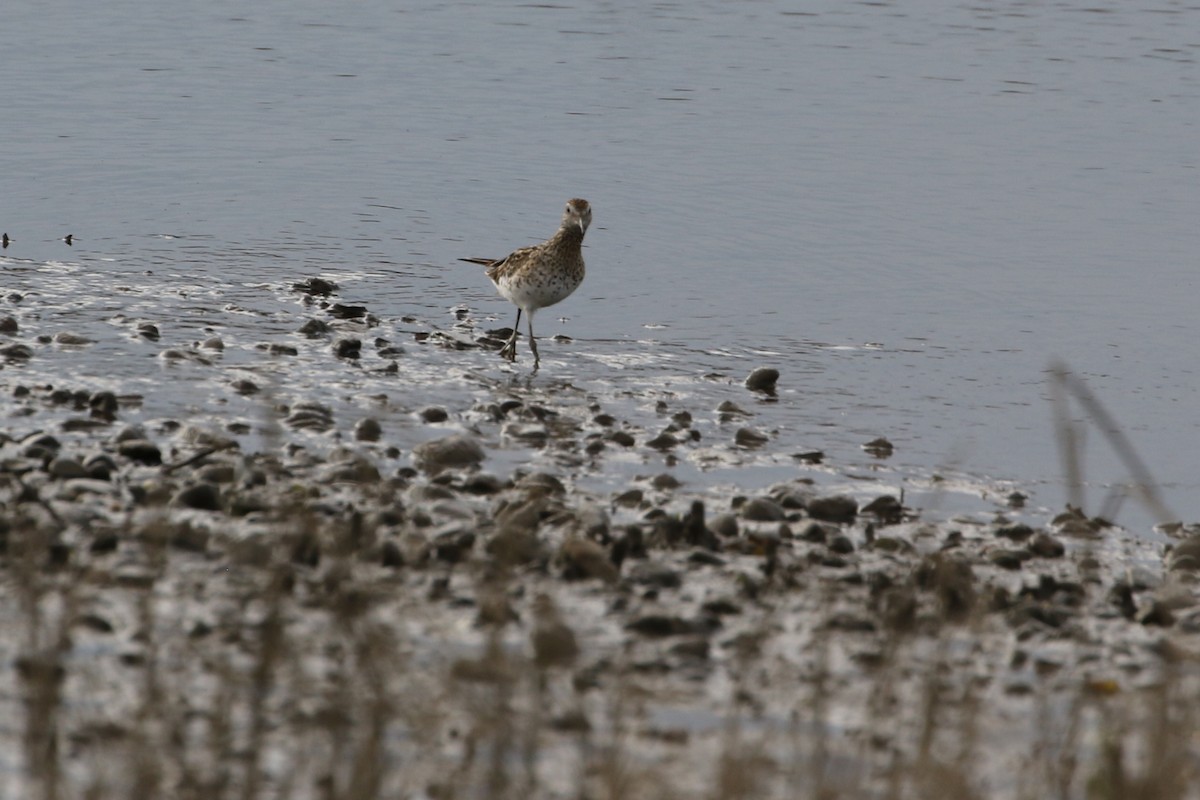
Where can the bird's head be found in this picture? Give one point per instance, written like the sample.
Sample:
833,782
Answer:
577,213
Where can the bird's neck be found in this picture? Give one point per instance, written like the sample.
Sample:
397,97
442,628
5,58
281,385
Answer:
567,237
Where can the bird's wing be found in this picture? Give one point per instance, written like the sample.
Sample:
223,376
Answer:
498,268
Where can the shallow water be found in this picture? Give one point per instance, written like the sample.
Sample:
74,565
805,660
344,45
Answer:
909,210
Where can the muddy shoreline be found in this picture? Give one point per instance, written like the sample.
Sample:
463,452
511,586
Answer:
333,612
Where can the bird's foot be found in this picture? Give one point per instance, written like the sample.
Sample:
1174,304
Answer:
509,351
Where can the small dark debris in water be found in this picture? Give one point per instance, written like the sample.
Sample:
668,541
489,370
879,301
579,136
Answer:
810,456
8,325
245,387
880,448
69,239
762,379
461,313
1017,500
6,240
343,311
315,286
148,330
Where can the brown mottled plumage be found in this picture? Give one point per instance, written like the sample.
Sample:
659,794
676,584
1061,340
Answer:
541,275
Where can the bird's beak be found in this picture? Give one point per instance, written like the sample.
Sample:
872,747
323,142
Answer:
582,226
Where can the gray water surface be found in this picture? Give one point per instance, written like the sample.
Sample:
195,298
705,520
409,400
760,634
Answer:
909,209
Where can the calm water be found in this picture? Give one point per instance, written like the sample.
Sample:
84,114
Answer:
909,209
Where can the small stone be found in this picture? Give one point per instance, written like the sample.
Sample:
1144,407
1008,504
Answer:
659,576
622,438
1008,559
835,508
763,509
142,451
368,430
314,328
583,558
1046,546
67,468
879,448
433,414
1018,533
8,326
841,544
245,387
72,339
762,379
750,438
456,451
202,496
724,525
348,347
664,441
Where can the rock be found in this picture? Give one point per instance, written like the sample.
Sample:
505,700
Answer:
1044,545
664,441
750,438
344,311
17,352
103,405
72,339
841,544
1018,533
314,328
886,508
8,326
655,575
348,347
879,448
763,509
368,430
310,417
1008,559
217,473
724,525
245,387
582,558
835,508
450,452
202,496
142,451
66,468
1185,555
433,414
662,625
315,286
762,379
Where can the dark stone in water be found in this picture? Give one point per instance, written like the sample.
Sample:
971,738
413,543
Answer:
458,450
348,348
1018,533
750,438
315,286
314,328
342,311
8,325
368,430
202,496
17,352
763,509
142,451
103,406
433,414
1046,546
836,508
879,448
148,330
762,379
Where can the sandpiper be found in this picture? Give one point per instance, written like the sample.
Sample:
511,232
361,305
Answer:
541,275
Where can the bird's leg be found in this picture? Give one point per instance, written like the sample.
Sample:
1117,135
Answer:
533,344
509,350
